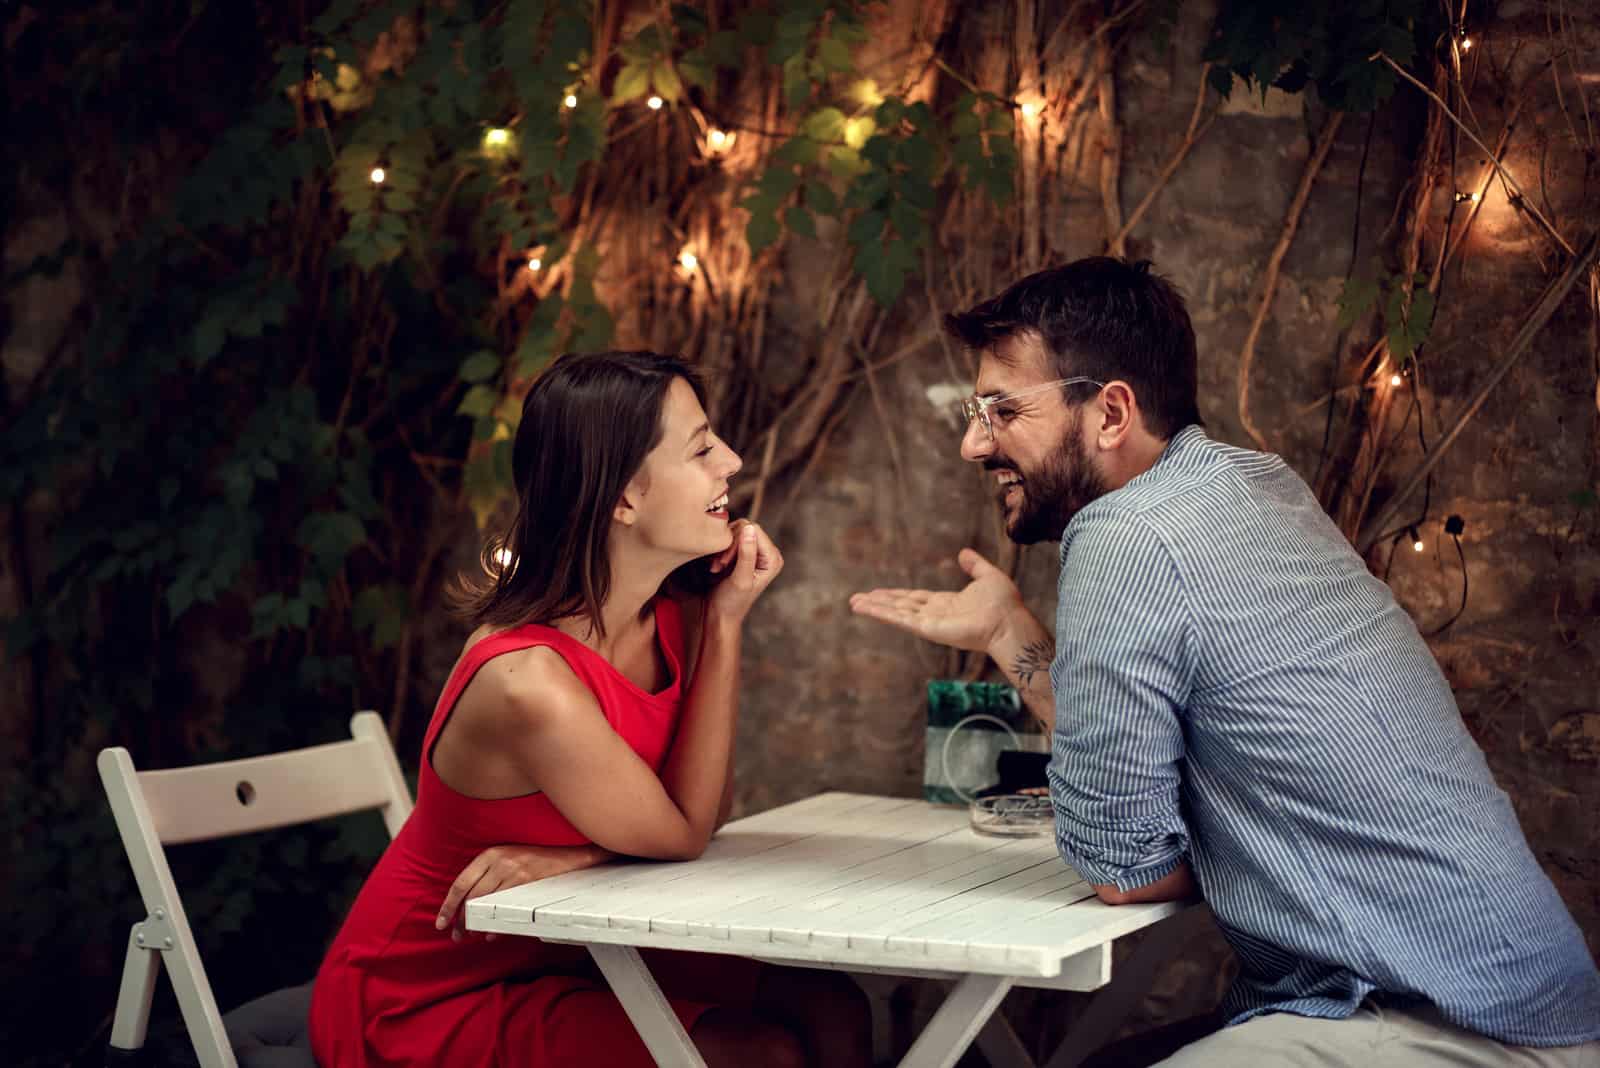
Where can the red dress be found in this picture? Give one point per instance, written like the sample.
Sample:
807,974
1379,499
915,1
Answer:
392,990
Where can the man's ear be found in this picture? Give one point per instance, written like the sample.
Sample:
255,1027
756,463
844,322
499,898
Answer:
1119,411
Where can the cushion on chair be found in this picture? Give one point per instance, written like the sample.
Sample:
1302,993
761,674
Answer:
271,1031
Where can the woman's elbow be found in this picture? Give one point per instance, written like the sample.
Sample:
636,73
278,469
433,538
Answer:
689,845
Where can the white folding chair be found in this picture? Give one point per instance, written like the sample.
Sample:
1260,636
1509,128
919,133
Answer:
161,808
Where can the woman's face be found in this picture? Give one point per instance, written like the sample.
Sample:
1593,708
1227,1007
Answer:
680,495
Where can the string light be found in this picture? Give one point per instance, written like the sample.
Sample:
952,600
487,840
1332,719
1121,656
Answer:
1396,380
534,263
502,558
654,103
718,140
377,176
688,260
571,100
1466,44
1031,109
1416,539
1468,198
497,137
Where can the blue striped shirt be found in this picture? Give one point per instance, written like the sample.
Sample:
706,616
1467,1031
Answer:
1233,686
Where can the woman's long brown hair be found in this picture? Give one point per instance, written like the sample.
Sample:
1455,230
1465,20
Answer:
588,423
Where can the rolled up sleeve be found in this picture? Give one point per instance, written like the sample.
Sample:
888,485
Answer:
1122,673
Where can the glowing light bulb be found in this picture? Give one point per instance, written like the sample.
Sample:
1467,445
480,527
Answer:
534,263
1468,198
1031,109
717,139
502,558
654,103
1396,381
1466,44
377,176
688,260
1417,545
570,100
497,137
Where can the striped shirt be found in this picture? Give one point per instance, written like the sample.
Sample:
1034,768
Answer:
1233,686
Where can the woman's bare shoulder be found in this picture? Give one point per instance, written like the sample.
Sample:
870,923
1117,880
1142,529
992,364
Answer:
534,686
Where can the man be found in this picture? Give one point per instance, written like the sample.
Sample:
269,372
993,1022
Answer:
1241,710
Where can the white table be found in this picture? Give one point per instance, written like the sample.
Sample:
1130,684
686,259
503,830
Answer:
855,883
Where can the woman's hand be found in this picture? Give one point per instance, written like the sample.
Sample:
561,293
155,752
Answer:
499,867
752,562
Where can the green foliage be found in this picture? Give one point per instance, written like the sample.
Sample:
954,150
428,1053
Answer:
293,367
1326,43
1407,316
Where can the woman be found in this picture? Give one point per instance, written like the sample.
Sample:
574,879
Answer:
591,713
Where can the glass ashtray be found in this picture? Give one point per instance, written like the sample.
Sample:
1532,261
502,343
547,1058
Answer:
1012,815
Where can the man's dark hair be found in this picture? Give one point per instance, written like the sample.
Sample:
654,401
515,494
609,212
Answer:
1103,318
588,422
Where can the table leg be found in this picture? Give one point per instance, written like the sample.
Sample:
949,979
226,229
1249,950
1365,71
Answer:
1130,982
646,1006
966,1009
1001,1046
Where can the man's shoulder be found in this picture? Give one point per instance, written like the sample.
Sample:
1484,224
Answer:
1194,478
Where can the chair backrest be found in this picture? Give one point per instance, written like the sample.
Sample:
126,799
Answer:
155,809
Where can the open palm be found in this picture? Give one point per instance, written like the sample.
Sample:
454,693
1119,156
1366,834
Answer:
969,618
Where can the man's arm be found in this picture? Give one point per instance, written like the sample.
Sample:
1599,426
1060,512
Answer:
1124,673
1023,649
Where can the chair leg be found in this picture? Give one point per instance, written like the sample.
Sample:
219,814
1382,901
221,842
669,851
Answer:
132,1020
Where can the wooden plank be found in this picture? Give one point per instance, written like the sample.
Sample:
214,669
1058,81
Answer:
675,899
728,851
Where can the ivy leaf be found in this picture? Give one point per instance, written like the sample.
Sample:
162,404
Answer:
845,162
480,366
834,55
799,151
478,402
381,612
858,129
866,229
778,182
1356,300
761,231
799,221
666,80
632,82
696,68
330,536
796,81
822,199
824,124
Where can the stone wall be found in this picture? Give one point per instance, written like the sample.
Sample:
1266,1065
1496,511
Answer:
834,702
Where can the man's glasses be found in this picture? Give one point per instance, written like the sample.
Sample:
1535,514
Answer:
977,407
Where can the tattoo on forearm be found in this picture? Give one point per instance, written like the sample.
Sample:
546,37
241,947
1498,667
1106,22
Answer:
1032,659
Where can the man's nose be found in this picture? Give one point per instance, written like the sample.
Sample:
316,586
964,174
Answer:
975,443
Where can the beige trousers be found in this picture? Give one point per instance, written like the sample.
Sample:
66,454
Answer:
1375,1037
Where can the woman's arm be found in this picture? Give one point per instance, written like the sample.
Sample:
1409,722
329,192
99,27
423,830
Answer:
694,609
596,780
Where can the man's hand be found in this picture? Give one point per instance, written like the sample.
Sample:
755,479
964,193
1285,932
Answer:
499,867
986,617
972,619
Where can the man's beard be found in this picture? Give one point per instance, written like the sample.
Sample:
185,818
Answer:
1051,496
